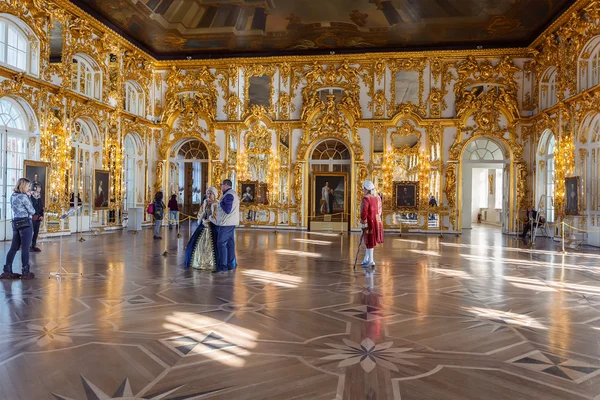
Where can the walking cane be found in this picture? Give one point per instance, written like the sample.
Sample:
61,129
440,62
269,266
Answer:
362,235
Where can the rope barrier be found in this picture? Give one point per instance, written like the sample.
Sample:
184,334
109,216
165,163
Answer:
579,229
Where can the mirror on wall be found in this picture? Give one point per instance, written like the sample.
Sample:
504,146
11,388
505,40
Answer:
406,87
56,42
259,91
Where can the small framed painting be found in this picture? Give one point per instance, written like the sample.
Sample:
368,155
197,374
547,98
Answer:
572,192
101,189
37,172
406,194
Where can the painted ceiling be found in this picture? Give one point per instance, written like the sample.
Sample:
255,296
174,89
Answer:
209,28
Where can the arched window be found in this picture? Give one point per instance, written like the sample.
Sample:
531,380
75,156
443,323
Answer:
595,68
86,77
331,155
134,98
15,148
548,93
11,116
188,174
133,165
483,150
16,46
589,65
545,161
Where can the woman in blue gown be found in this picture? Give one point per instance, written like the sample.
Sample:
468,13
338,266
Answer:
200,252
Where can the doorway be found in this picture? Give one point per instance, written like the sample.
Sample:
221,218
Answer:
330,182
485,185
188,176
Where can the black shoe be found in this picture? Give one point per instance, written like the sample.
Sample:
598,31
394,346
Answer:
215,271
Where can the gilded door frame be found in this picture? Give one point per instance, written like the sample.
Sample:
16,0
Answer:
307,176
508,155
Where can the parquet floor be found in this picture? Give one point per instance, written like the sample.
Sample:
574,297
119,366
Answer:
477,317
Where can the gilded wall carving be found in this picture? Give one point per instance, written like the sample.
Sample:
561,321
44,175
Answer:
461,95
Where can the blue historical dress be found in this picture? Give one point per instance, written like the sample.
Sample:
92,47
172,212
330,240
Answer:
200,251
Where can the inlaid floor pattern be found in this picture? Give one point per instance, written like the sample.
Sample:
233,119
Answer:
482,316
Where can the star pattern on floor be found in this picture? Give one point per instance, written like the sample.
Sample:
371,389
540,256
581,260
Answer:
192,344
561,367
124,391
133,300
55,332
369,354
366,313
501,320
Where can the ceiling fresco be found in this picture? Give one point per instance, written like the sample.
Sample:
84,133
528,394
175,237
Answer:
206,28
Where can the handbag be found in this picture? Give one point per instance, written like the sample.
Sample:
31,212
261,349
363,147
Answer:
150,209
21,223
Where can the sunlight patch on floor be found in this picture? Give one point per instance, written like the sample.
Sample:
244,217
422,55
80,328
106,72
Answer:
277,279
312,241
410,241
227,348
451,273
425,252
506,317
287,252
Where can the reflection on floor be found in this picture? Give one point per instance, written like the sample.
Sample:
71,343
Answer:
482,316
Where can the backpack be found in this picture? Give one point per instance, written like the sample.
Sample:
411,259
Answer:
150,209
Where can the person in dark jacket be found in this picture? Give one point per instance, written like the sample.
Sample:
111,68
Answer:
22,231
159,213
530,221
173,211
36,201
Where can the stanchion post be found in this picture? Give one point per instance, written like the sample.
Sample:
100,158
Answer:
563,235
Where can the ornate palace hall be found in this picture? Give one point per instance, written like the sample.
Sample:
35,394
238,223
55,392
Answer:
465,132
476,317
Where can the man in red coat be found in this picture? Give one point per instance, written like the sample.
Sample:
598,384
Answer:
370,218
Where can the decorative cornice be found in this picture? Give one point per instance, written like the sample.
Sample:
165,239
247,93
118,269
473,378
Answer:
558,22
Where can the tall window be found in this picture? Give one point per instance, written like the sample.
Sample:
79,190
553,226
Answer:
550,180
13,46
86,77
14,139
499,192
134,98
548,95
595,69
595,178
131,171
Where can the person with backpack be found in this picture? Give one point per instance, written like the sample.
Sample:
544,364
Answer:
173,211
158,212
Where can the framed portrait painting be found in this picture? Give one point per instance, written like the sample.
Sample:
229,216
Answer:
100,189
406,195
329,193
37,173
248,192
572,192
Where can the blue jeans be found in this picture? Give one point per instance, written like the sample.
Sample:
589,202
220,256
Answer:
174,216
226,248
157,224
20,239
